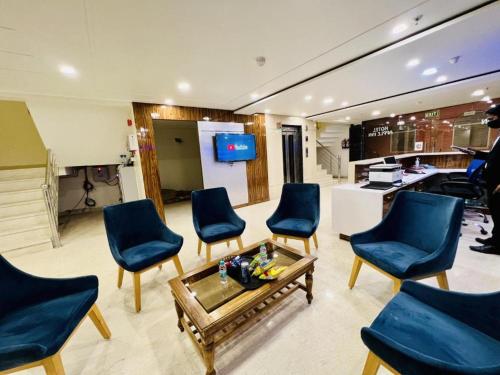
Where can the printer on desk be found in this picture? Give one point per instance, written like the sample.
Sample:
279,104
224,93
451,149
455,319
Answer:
385,174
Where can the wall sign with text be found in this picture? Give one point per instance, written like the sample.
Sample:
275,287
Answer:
380,131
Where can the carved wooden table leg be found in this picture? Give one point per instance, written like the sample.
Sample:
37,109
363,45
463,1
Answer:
309,285
208,355
180,314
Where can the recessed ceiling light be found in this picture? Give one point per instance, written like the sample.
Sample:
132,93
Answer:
485,98
267,111
429,71
441,79
344,103
169,102
254,96
399,28
184,86
303,114
392,115
478,93
412,63
376,113
308,98
328,100
413,118
347,118
206,118
68,71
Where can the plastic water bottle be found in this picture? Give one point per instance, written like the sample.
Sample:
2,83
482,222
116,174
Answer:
222,271
417,162
263,253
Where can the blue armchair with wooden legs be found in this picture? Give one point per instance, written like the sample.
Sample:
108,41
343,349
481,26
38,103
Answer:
418,238
425,330
297,215
39,315
140,241
214,219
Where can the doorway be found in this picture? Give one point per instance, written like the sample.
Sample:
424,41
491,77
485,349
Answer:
179,162
291,136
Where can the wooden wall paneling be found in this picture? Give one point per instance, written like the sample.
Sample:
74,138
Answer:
257,178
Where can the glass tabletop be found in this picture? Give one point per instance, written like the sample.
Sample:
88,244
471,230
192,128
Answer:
211,293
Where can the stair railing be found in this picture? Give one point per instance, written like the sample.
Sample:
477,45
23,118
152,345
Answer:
50,190
329,160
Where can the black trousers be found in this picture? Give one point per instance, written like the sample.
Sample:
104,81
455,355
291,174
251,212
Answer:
494,206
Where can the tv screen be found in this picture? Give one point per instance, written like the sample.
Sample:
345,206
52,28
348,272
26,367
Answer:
235,147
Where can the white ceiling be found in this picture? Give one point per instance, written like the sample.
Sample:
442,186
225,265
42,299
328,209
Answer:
129,50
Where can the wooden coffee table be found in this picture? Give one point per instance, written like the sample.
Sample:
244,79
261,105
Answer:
211,312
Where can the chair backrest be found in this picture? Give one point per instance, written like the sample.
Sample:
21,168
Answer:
210,206
475,169
424,220
12,285
300,201
132,223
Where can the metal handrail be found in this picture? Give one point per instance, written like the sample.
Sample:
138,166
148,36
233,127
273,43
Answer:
50,190
330,159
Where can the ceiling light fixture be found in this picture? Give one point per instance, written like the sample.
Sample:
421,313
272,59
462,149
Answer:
478,93
169,102
254,96
347,118
344,103
328,100
376,113
308,98
412,63
392,115
441,79
413,118
68,71
184,86
429,71
399,28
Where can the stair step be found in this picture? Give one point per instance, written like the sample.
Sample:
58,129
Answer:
19,223
21,184
36,206
18,196
21,174
24,239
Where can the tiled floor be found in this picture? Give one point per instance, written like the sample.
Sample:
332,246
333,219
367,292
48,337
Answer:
296,338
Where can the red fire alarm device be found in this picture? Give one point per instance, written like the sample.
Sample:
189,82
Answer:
129,122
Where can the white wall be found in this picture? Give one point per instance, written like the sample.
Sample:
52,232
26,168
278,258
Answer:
275,152
81,132
179,164
232,176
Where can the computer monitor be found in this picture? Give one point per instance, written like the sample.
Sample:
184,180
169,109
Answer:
390,160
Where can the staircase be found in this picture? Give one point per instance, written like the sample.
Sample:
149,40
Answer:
25,218
328,148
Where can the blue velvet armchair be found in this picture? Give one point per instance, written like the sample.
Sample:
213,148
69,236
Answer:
429,331
38,315
139,241
418,238
297,215
214,219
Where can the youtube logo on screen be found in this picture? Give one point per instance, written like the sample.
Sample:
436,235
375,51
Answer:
230,147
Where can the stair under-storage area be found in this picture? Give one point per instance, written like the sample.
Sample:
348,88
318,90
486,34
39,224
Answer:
25,221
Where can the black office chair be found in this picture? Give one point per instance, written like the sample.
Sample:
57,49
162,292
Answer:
470,187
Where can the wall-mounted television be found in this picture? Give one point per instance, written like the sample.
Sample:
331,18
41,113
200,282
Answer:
231,147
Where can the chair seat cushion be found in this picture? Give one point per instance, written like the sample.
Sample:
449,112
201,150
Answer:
391,256
38,331
418,330
139,257
220,231
293,227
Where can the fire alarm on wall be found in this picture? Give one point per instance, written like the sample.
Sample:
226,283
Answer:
129,122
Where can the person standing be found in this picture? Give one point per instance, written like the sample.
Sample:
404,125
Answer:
491,176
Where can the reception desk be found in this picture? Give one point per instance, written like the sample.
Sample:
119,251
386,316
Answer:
355,209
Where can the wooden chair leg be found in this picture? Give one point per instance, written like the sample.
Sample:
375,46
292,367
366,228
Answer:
356,266
98,320
209,252
120,277
137,291
306,245
315,239
178,265
443,280
372,364
240,243
53,365
396,286
199,247
275,237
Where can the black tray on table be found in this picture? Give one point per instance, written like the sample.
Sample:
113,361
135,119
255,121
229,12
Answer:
254,283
